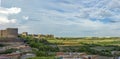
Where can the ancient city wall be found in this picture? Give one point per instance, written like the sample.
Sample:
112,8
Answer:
9,33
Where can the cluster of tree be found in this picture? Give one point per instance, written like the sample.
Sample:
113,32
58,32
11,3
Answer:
43,47
1,45
8,51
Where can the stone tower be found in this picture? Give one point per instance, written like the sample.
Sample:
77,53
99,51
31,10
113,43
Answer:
12,32
9,33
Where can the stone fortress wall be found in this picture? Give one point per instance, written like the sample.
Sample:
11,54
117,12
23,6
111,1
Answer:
9,33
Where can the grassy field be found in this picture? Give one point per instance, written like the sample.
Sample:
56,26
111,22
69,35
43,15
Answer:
87,41
99,46
103,46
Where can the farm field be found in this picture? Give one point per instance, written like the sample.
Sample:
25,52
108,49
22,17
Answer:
99,46
75,42
90,46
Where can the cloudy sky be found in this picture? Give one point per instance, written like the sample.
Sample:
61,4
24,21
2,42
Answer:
68,18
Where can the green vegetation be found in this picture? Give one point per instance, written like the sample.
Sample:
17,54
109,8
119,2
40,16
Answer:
46,47
79,41
98,46
8,51
42,58
2,45
41,47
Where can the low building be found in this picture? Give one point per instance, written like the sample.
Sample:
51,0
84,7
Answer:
70,55
34,35
13,56
50,36
28,55
4,57
25,34
41,36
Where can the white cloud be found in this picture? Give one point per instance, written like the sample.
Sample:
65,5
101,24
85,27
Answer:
86,17
79,19
100,13
113,4
5,12
4,20
26,17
